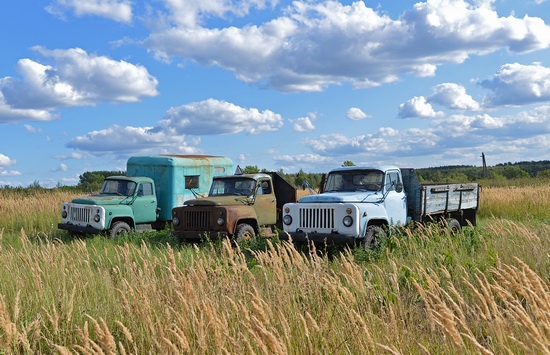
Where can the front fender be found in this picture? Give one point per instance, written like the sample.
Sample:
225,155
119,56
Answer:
118,212
239,213
372,214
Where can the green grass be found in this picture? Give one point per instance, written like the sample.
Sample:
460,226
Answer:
485,289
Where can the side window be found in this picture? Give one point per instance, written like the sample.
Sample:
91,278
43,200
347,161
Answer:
392,178
264,188
145,189
192,182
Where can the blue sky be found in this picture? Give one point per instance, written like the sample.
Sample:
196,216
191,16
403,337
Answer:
85,84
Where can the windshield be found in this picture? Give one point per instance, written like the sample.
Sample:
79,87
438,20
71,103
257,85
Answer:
355,180
118,187
232,187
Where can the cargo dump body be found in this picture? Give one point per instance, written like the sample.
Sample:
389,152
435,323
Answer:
426,202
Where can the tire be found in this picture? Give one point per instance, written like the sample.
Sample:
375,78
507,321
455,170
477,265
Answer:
119,228
454,225
373,238
244,232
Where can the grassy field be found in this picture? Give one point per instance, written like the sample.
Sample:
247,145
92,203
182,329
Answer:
486,290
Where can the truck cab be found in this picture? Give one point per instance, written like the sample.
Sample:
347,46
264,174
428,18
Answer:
353,199
122,203
238,206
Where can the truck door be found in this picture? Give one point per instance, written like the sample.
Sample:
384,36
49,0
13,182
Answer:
145,204
265,204
396,201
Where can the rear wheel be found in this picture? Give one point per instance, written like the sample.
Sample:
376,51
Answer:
454,225
119,228
373,238
244,232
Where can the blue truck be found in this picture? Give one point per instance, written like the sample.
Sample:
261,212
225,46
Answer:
360,204
143,198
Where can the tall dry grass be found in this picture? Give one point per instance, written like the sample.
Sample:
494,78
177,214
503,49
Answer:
32,209
530,202
83,297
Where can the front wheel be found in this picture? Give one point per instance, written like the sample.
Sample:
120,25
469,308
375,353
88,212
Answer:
373,238
119,228
244,232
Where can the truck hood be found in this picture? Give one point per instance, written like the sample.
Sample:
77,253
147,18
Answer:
342,197
100,200
219,201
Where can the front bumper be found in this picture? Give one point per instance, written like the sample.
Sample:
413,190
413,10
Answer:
335,238
198,235
78,229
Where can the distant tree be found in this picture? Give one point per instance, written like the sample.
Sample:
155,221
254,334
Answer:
348,163
251,169
514,172
544,175
93,180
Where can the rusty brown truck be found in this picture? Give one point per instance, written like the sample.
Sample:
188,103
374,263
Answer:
238,206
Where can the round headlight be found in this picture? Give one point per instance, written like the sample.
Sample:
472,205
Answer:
287,219
348,221
97,218
176,221
64,214
220,221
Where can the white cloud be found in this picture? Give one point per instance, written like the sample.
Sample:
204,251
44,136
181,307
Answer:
453,96
117,10
32,129
76,79
209,117
6,161
303,159
517,84
9,114
189,13
212,117
61,168
304,124
121,140
457,135
356,114
316,44
9,173
418,106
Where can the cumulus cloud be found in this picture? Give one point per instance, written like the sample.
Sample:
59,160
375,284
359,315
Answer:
212,117
304,124
9,172
453,96
190,13
116,139
517,84
356,114
117,10
61,168
9,114
208,117
316,44
418,106
76,79
6,161
303,159
457,135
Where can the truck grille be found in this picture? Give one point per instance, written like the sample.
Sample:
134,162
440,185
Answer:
196,219
321,218
80,214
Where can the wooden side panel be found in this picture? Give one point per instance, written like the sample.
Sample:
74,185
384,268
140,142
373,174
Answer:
437,199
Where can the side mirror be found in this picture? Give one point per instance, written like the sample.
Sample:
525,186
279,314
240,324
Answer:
399,187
